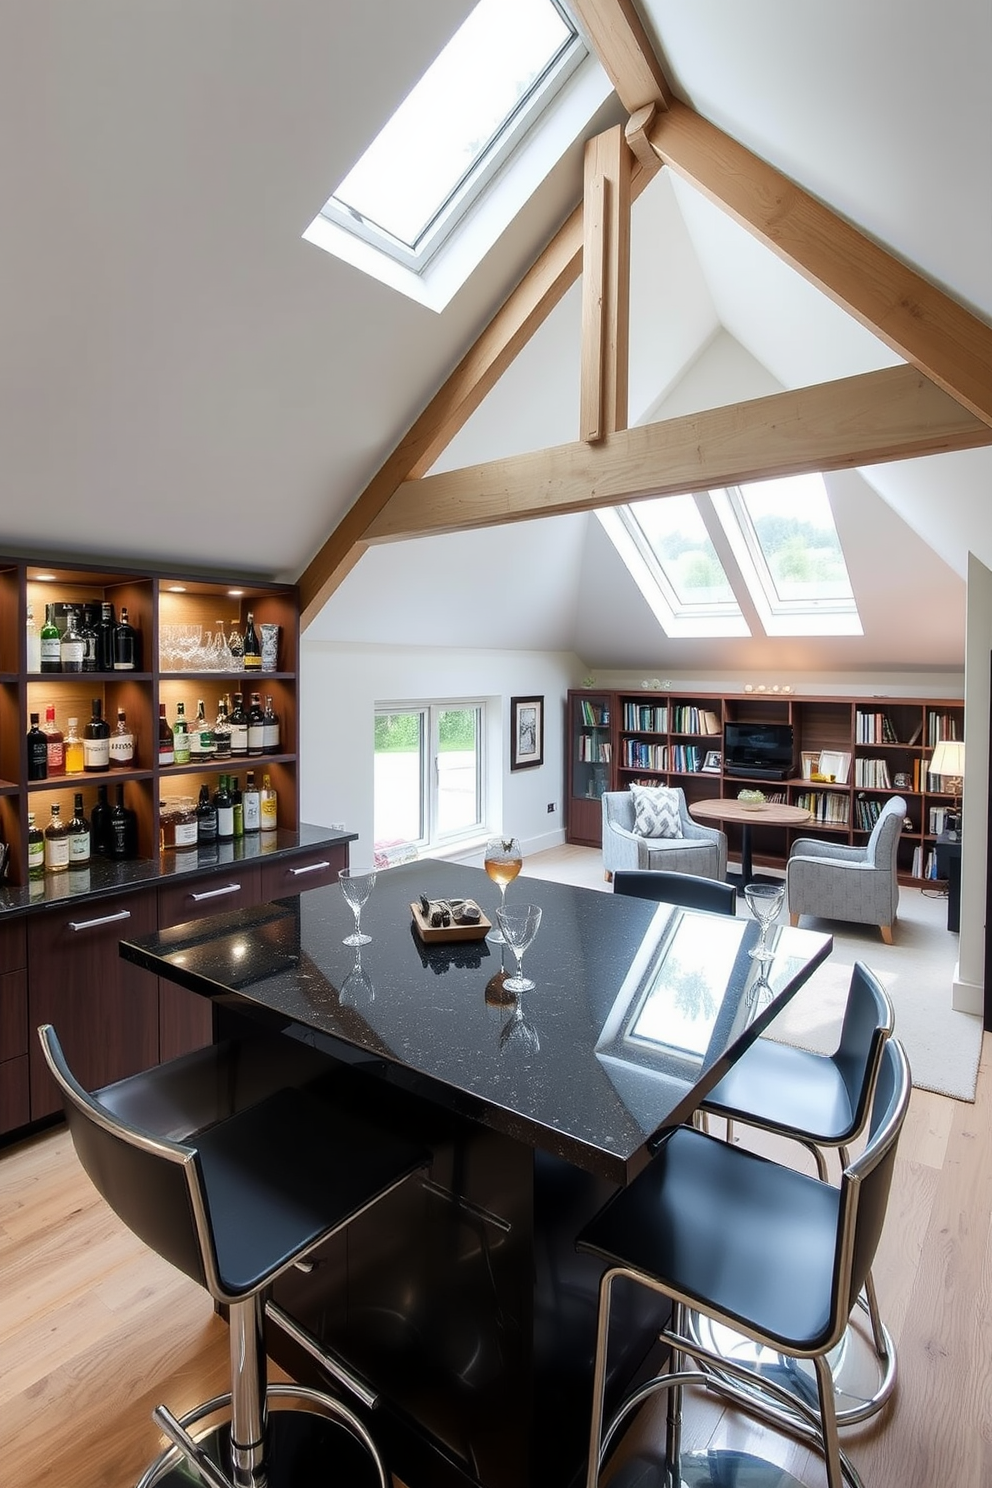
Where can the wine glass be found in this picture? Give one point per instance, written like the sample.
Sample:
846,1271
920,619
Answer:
503,860
765,901
357,884
519,924
357,990
519,1033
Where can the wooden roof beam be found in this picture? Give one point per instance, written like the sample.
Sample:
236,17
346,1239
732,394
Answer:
604,362
620,41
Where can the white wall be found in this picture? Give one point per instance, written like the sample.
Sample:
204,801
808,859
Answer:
341,685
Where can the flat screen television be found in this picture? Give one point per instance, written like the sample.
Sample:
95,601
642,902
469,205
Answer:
761,749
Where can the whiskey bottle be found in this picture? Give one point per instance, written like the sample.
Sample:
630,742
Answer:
88,631
206,817
125,644
222,732
96,741
239,726
56,842
56,742
270,729
256,726
202,744
37,751
180,736
122,836
105,637
268,806
225,810
73,749
78,830
51,643
166,746
251,805
252,647
122,744
72,647
36,849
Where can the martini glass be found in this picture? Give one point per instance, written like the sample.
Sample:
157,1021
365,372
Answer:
357,884
765,901
502,861
519,925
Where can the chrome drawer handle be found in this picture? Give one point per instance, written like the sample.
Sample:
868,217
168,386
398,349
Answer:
122,914
310,868
215,893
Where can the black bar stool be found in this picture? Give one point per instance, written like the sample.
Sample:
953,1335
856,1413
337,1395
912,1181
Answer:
688,890
232,1163
768,1251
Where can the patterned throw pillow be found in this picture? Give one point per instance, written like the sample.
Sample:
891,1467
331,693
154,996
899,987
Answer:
656,811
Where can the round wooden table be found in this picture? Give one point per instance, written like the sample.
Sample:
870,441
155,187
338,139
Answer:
768,814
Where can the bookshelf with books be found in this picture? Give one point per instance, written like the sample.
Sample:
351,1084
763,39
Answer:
851,755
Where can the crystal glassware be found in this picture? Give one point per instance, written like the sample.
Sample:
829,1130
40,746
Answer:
357,884
519,924
765,901
502,861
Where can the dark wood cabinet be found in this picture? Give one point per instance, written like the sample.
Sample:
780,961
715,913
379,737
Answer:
14,1100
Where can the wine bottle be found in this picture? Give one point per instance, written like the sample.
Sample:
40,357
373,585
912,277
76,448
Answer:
36,849
202,744
206,817
56,842
237,805
122,837
239,726
180,736
88,631
105,637
166,745
256,726
225,810
56,742
100,822
51,643
252,647
96,741
268,806
78,829
72,648
33,643
73,749
125,644
122,743
37,751
270,728
222,732
251,805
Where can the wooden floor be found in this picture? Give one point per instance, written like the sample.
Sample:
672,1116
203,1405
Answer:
94,1330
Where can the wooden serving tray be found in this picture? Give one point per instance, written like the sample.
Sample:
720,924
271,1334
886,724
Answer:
429,932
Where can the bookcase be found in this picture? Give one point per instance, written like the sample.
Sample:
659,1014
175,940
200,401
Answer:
851,755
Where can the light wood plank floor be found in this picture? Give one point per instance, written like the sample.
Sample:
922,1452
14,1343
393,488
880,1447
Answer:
94,1330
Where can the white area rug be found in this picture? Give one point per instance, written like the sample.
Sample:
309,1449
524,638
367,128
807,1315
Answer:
943,1046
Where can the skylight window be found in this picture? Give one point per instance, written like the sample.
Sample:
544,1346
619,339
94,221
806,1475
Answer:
455,128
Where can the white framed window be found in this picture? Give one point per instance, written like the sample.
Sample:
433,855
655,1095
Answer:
430,778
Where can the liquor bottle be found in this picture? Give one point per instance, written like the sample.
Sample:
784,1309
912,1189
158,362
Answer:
51,643
125,644
72,647
105,637
206,817
56,742
237,805
122,744
79,835
270,728
252,647
225,810
251,805
56,842
202,744
73,749
88,630
122,837
222,732
180,736
37,751
33,643
36,849
268,806
96,741
236,647
100,822
239,726
256,725
166,746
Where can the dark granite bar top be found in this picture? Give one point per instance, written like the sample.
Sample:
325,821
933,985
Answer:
103,877
637,1009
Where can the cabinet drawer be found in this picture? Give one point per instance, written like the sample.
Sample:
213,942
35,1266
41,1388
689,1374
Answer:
219,892
13,1014
305,870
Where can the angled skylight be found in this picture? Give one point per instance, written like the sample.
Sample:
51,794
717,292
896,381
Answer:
449,137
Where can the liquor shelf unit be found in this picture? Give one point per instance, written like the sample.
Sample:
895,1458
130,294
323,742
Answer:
59,934
870,746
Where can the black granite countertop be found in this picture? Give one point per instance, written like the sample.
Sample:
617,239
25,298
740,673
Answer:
637,1009
103,877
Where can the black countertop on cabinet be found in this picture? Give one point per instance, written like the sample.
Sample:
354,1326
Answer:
103,878
637,1009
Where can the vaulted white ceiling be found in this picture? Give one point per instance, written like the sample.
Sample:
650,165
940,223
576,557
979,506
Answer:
183,377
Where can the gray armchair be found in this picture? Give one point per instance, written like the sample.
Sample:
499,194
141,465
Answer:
858,884
700,850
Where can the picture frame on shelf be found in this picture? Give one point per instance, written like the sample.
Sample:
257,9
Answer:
835,762
810,763
526,732
712,762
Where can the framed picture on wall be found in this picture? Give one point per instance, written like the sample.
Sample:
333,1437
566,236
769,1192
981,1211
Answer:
526,732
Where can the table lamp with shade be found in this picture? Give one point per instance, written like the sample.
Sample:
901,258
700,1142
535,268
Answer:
948,762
